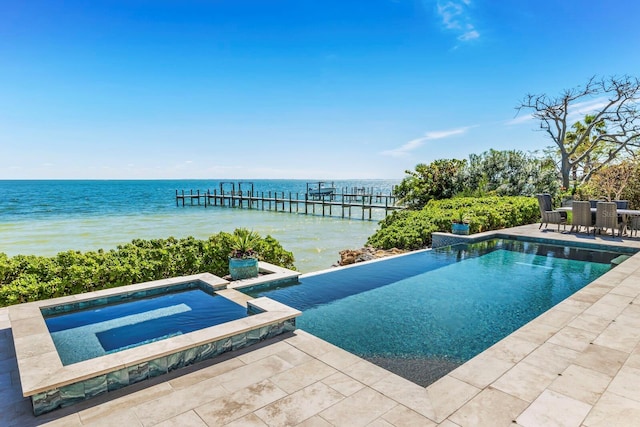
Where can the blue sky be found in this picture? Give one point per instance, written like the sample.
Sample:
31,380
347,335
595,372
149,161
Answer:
287,88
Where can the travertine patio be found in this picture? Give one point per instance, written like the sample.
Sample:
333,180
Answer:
576,365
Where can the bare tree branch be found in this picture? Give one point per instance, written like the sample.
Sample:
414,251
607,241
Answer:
615,125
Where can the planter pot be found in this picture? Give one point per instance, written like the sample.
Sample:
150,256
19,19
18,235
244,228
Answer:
459,228
243,268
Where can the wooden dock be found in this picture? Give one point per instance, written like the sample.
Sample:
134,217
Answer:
344,204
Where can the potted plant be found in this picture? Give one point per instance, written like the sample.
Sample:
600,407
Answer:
460,224
243,259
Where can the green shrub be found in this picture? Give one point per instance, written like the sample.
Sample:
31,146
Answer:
412,229
492,173
26,278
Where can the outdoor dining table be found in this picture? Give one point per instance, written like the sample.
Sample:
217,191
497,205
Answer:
625,213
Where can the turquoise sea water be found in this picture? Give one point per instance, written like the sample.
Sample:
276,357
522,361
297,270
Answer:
46,217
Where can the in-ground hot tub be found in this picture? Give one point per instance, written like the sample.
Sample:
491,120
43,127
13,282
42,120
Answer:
109,325
104,351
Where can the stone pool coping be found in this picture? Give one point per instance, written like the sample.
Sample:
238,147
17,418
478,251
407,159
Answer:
41,369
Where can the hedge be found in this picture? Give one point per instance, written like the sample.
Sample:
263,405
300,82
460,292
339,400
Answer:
409,229
26,278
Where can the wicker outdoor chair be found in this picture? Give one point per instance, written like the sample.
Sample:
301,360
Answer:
607,218
634,225
548,215
622,204
581,215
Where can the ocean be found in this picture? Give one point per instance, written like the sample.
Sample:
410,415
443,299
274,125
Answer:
44,217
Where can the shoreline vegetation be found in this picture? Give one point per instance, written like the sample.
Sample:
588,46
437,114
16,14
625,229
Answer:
412,229
25,278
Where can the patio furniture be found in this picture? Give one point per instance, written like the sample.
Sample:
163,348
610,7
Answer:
634,225
594,203
607,218
621,204
581,216
548,215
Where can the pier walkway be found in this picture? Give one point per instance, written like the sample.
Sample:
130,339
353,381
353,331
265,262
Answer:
345,204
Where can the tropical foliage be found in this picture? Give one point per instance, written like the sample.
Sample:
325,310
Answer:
509,173
412,229
439,179
244,243
29,278
502,173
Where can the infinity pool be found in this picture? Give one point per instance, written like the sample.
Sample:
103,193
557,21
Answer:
423,314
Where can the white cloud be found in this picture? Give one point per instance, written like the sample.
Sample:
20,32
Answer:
450,13
445,133
469,35
519,120
455,17
405,149
586,107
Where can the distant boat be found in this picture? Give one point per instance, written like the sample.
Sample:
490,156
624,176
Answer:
319,189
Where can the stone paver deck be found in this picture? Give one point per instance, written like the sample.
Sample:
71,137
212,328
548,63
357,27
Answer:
576,365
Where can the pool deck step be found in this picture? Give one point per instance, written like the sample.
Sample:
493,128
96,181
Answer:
235,296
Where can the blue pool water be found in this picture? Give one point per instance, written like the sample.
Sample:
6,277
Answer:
100,330
423,314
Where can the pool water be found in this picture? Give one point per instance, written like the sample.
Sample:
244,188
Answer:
85,334
423,314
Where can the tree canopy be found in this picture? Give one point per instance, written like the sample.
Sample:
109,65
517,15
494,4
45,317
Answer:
498,173
610,129
509,173
439,179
